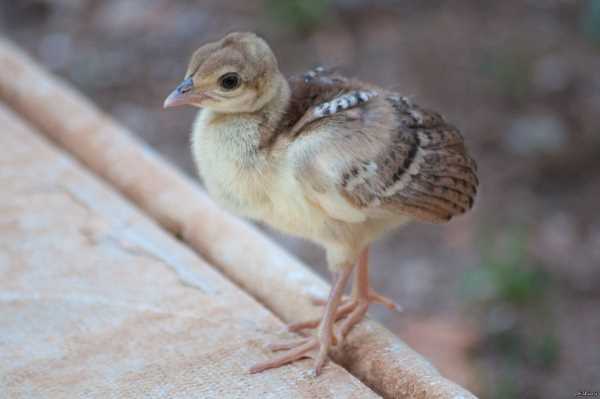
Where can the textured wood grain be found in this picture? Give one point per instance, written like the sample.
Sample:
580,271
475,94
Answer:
248,258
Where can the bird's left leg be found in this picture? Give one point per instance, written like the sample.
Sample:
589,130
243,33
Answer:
362,294
323,341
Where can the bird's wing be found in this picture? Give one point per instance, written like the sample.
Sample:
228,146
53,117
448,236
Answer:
319,93
387,157
323,74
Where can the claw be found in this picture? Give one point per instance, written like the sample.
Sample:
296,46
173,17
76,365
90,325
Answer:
320,361
376,297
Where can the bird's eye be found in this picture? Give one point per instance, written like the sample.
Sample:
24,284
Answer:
230,81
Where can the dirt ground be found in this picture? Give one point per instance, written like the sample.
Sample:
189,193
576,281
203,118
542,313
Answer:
505,299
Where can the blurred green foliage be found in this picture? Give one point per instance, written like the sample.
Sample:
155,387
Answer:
590,20
507,276
299,15
507,388
509,72
513,297
545,352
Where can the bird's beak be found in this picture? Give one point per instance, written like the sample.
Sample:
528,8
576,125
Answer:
181,95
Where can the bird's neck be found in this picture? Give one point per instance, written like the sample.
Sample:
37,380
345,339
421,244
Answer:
247,134
274,109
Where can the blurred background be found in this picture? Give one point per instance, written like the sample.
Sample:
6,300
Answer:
505,300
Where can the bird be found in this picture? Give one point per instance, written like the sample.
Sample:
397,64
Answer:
325,157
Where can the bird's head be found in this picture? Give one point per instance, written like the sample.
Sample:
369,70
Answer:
235,74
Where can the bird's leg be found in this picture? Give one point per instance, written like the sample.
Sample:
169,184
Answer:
360,286
321,300
323,341
342,311
362,296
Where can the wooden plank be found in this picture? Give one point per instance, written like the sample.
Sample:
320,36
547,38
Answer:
247,257
96,300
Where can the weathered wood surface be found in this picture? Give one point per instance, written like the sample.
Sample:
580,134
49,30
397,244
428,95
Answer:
96,300
264,270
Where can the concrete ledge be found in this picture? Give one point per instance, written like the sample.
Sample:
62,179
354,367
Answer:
248,258
96,300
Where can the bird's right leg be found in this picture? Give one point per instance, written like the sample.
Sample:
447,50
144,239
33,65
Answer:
302,348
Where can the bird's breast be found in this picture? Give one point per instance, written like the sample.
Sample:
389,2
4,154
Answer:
234,172
249,182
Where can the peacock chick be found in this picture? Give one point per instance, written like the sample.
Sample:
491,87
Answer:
322,156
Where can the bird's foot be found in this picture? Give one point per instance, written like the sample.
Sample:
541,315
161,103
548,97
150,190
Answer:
360,304
356,315
348,306
310,347
345,308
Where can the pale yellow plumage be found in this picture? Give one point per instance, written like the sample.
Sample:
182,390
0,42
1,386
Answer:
327,158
